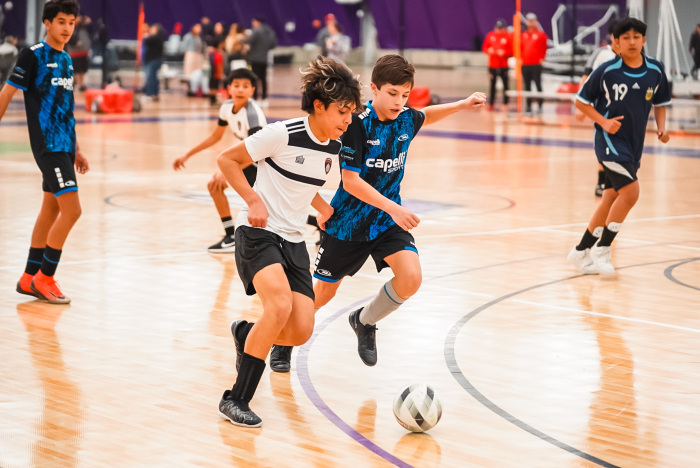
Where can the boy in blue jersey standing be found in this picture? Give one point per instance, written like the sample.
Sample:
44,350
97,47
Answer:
618,97
368,217
45,73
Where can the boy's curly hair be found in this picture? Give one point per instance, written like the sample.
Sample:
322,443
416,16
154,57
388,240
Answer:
329,81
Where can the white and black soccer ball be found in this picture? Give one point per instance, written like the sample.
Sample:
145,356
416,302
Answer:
417,407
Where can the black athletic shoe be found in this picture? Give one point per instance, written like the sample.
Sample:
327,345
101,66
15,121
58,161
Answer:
280,358
599,190
240,346
225,245
366,339
238,412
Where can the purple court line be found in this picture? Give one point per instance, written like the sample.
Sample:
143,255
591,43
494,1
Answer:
487,137
310,390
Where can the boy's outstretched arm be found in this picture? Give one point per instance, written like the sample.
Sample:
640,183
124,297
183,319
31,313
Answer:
360,189
8,91
231,162
215,136
660,117
440,111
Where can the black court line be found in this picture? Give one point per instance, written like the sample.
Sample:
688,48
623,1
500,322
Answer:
668,273
451,361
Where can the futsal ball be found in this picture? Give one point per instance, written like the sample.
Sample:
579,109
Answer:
417,407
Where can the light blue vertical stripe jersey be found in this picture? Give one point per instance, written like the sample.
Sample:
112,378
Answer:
615,89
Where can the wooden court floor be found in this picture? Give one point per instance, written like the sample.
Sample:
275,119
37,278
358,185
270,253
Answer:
535,365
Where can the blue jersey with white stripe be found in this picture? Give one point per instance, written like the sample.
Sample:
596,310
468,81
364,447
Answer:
46,77
615,89
376,150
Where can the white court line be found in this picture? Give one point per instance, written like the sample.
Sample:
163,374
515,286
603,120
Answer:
551,226
599,314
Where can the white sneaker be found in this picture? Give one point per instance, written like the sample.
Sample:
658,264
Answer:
602,260
581,259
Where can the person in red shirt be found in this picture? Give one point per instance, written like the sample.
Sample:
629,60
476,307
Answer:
499,46
534,48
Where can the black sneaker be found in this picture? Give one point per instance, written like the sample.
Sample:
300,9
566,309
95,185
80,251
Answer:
226,245
366,339
280,358
240,346
238,412
599,190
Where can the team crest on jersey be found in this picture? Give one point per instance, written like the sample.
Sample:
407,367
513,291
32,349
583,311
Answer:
299,160
650,94
329,163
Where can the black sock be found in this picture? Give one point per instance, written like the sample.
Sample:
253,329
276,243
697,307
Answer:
587,241
607,237
34,260
50,262
229,226
249,375
601,177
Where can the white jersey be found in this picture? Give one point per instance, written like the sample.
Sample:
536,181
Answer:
293,165
606,53
241,123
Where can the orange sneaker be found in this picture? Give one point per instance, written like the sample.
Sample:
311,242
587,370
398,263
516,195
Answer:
24,285
47,288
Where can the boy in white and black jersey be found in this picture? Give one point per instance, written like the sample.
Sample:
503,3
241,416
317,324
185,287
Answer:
243,117
295,157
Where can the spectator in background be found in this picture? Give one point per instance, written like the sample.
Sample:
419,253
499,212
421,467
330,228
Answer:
79,50
534,49
695,51
194,50
153,59
8,57
207,30
235,47
219,35
172,46
323,34
102,37
262,40
216,81
498,45
337,43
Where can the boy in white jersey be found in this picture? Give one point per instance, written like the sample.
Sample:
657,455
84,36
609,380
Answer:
368,218
295,157
244,117
618,97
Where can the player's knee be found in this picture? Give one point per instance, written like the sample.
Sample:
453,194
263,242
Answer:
213,188
408,283
279,309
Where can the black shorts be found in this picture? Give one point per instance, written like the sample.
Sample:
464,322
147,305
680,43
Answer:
258,248
80,64
58,171
619,174
337,259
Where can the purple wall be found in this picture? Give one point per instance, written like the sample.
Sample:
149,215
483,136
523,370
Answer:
430,24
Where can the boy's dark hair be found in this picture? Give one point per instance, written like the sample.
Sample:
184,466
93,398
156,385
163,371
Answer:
329,81
611,27
629,24
241,73
53,7
394,70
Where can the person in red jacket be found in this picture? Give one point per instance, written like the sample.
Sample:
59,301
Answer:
499,46
534,48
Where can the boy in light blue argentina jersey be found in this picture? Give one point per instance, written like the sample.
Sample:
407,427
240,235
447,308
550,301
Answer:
44,72
618,97
368,218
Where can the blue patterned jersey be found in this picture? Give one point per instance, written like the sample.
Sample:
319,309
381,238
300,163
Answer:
376,150
615,89
46,77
